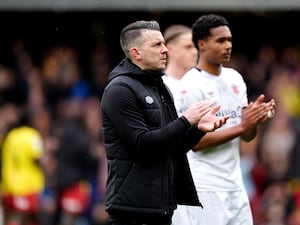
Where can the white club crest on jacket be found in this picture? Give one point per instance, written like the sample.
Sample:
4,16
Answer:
149,99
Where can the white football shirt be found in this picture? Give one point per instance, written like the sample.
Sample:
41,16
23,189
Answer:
218,168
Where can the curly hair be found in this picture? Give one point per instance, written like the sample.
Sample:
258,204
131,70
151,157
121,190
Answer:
202,26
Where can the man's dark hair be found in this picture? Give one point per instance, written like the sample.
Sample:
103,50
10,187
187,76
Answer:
202,26
132,32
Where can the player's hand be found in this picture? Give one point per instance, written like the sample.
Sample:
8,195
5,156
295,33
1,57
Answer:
272,108
257,112
197,110
210,122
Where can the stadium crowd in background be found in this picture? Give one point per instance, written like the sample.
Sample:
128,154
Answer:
58,88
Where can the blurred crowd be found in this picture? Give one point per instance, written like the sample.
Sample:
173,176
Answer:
270,162
65,107
65,104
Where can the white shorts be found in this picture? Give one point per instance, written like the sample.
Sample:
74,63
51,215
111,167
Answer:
219,208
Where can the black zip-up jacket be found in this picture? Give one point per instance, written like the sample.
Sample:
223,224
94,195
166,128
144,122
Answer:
146,144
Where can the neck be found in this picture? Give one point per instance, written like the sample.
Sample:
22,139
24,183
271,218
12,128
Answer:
175,71
213,69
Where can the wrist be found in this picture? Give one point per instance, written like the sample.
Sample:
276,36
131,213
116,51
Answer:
188,124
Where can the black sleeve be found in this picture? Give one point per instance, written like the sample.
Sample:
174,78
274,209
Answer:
120,105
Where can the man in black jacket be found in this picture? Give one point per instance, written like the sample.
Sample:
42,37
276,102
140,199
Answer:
146,142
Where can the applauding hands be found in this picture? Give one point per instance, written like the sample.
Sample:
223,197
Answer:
203,114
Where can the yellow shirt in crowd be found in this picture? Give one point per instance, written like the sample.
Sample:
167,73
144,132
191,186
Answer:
21,175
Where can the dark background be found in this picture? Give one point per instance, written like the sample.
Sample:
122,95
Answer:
82,30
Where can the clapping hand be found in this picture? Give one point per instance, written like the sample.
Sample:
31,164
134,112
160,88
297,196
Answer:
203,114
210,122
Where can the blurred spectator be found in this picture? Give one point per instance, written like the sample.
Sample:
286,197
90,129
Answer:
9,114
275,204
48,201
62,74
99,68
284,86
11,89
73,163
22,174
77,161
277,145
36,93
98,173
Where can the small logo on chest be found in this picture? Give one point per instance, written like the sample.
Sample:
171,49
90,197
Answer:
149,99
235,89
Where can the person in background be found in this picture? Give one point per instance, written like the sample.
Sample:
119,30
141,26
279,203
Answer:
146,142
215,160
22,180
99,68
97,176
75,164
182,54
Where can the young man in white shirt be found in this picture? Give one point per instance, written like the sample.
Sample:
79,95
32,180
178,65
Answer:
215,160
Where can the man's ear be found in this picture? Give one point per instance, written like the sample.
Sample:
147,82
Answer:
170,48
201,44
135,54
